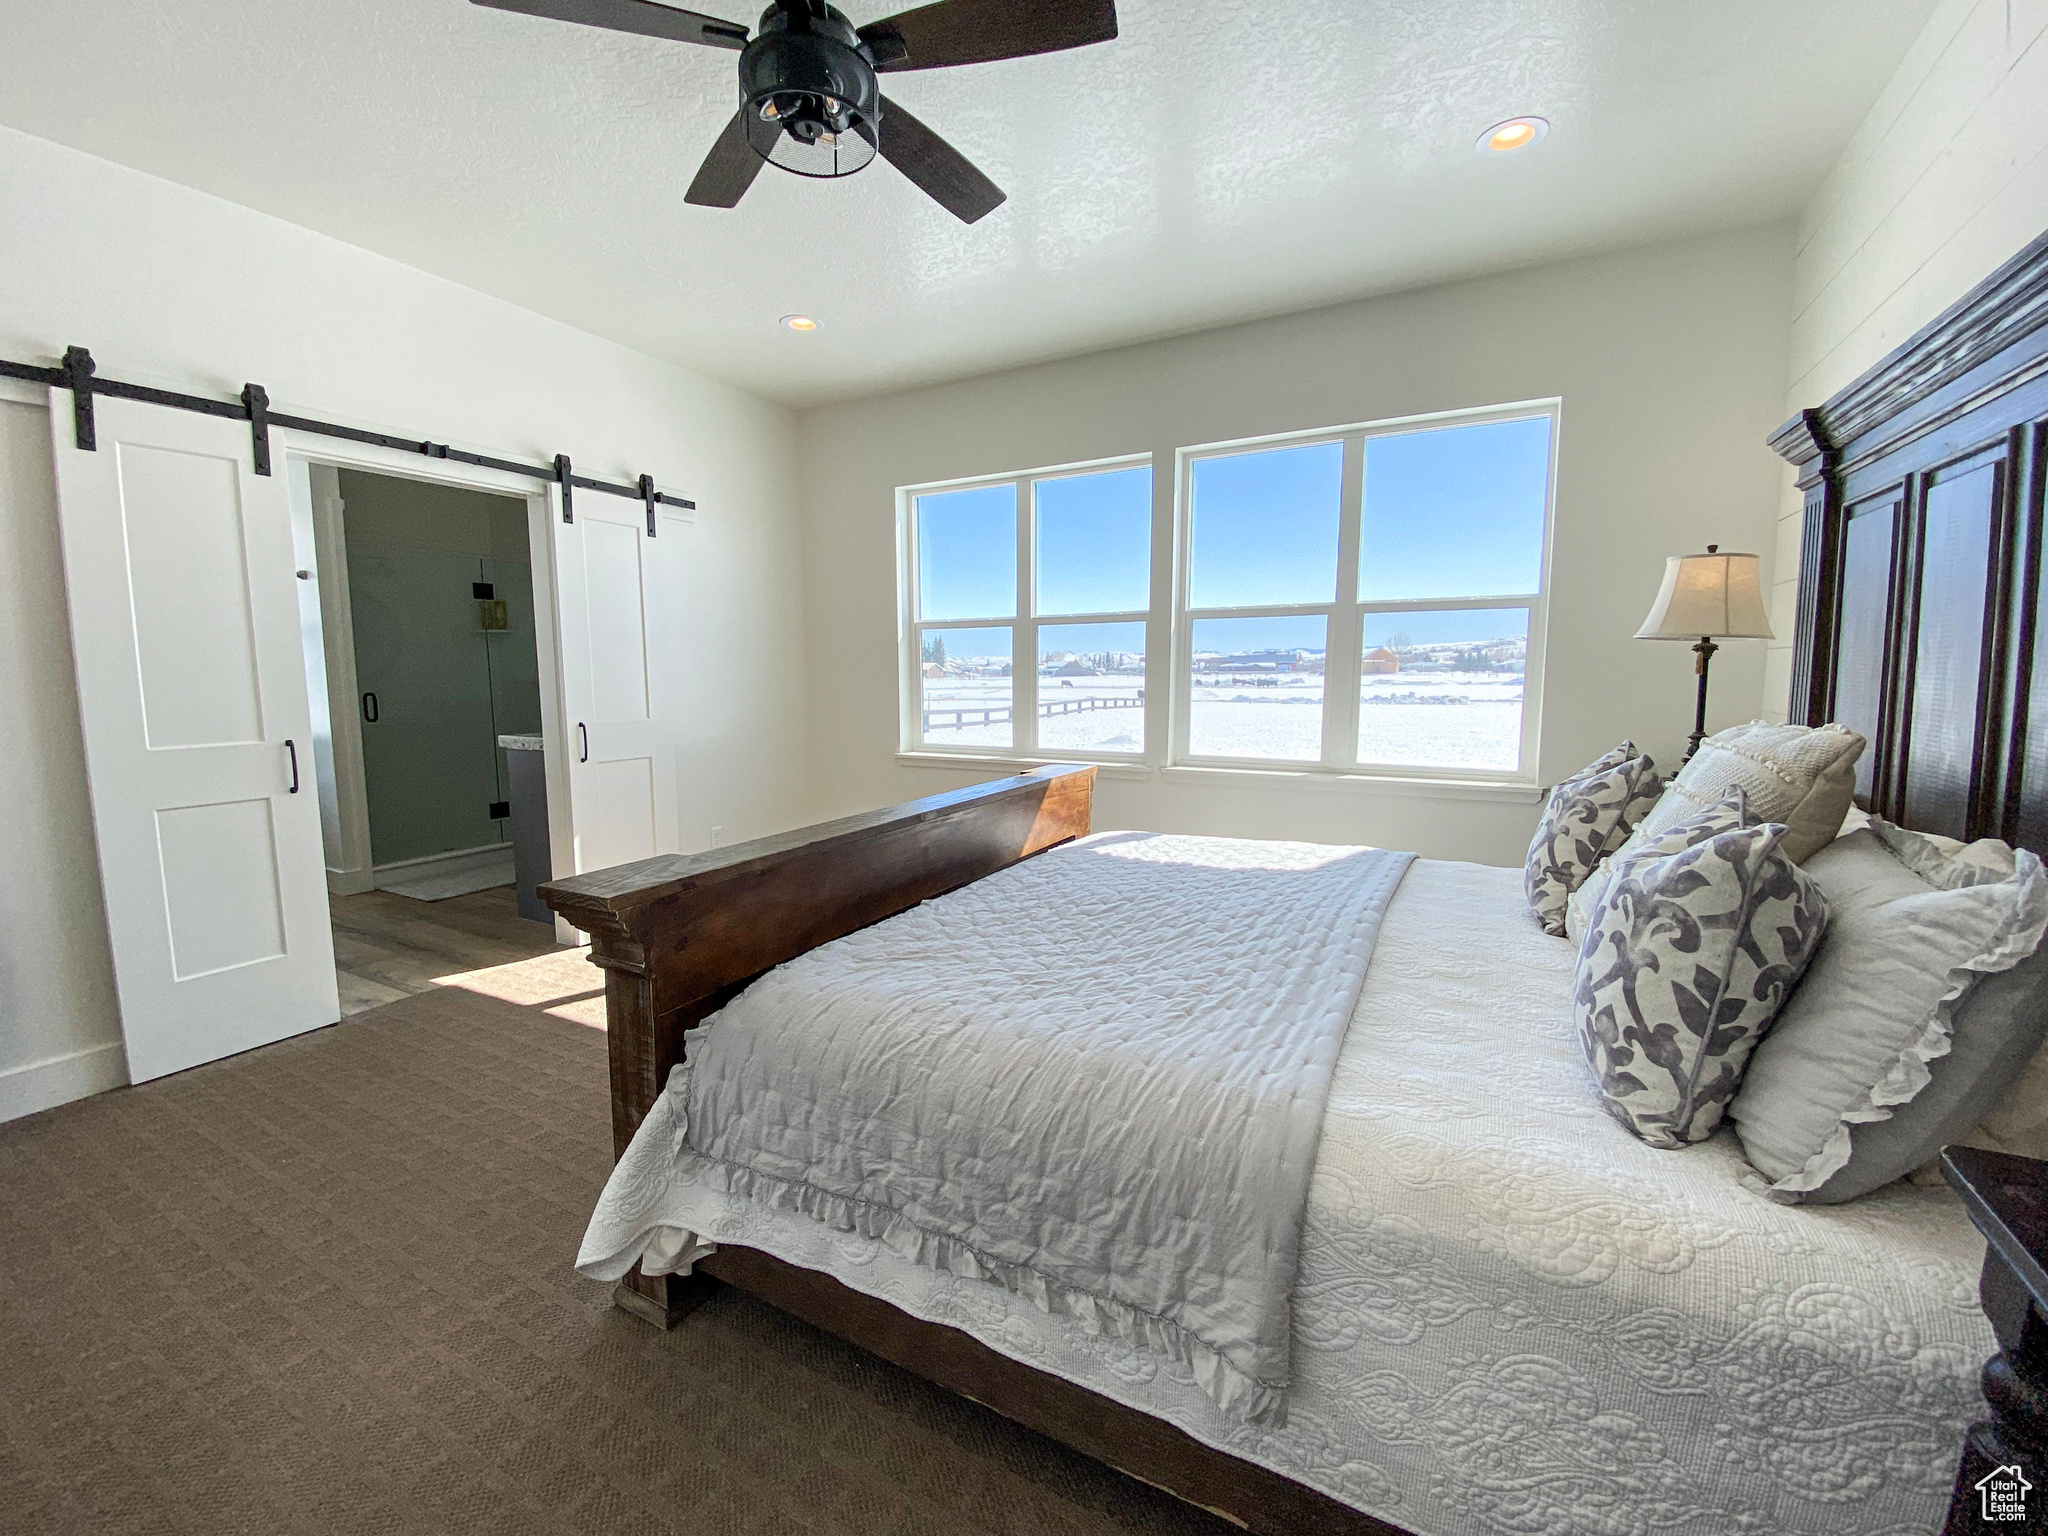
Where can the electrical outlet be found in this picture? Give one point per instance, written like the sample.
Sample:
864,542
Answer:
718,837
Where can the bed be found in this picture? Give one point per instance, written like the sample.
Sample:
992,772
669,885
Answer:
1509,1316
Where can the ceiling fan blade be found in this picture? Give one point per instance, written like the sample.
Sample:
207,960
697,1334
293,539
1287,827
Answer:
642,16
722,180
939,169
980,31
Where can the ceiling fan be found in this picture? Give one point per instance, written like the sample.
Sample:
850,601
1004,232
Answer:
809,100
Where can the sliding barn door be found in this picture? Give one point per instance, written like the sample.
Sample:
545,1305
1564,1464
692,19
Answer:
618,599
198,741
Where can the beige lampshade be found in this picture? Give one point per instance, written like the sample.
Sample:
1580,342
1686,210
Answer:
1714,595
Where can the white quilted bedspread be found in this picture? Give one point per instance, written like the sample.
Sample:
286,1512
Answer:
1512,1317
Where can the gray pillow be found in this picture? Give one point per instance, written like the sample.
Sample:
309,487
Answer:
1923,1004
1586,818
1687,960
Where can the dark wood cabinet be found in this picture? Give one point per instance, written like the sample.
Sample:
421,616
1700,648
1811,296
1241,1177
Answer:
2002,1476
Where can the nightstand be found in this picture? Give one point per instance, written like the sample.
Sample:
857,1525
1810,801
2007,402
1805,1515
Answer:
2002,1479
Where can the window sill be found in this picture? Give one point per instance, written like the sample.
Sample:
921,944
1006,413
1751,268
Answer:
1500,790
969,761
1416,785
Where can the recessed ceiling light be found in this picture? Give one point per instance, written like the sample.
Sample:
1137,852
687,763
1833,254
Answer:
800,322
1516,133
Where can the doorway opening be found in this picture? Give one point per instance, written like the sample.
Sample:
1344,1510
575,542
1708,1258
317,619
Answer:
423,659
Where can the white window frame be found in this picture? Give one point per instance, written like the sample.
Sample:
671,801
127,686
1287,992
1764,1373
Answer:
1344,614
1170,618
1024,627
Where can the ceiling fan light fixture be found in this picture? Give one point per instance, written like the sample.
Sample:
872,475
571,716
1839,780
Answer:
809,96
1516,133
809,99
799,323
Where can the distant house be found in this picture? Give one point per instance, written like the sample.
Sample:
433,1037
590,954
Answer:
1260,661
1075,668
933,669
1379,661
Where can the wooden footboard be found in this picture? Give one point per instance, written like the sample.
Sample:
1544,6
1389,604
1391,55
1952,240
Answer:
679,935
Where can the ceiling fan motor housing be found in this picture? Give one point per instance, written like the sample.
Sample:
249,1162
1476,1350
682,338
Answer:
808,91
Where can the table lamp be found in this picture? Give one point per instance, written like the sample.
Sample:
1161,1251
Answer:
1705,598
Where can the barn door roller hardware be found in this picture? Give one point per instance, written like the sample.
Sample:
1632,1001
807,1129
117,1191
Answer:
78,373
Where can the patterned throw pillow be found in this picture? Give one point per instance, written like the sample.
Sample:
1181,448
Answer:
1686,963
1588,816
1731,812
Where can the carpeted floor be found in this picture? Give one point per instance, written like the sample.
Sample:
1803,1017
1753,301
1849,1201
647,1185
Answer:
326,1287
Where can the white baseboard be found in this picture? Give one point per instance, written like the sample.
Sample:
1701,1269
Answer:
441,875
454,857
350,882
45,1084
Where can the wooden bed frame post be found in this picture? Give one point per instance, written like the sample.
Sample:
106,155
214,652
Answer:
679,935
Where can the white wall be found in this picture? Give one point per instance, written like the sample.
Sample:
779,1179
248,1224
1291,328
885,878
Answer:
171,287
59,1032
1946,179
1670,361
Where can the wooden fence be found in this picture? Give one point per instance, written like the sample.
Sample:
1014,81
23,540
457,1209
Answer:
959,718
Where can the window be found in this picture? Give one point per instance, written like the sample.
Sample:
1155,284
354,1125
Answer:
1367,600
1052,570
1362,600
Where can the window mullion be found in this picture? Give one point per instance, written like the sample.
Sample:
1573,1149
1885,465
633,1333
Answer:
1535,618
1179,658
1024,634
910,668
1341,649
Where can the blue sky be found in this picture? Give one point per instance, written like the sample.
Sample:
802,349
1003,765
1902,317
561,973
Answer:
1453,512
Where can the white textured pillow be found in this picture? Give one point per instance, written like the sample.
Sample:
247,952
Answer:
1920,924
1803,776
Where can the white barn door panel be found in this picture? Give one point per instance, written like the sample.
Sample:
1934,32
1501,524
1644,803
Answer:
616,604
192,693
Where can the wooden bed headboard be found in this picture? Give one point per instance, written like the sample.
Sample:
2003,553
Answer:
1920,575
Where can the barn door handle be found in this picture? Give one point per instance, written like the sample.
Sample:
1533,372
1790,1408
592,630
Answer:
583,736
294,751
370,708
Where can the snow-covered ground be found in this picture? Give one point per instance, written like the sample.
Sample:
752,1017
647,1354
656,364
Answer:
1400,726
1466,720
1231,718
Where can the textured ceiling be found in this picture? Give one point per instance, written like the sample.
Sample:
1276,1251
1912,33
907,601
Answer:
1220,160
